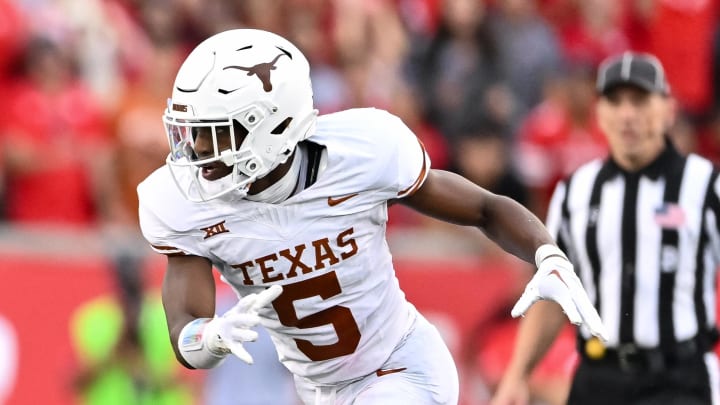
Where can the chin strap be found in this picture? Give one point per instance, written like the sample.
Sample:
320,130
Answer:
283,188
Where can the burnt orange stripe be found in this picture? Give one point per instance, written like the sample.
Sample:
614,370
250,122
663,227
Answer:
413,188
418,184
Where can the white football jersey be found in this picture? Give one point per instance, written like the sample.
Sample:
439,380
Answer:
341,312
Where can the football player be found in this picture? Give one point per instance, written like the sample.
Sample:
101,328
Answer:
291,209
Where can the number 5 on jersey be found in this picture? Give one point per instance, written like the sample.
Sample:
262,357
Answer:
341,318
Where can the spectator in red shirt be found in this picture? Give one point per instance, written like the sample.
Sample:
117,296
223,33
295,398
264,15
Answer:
594,32
680,33
57,155
559,134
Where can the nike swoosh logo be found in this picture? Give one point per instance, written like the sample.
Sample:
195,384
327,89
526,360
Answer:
381,373
557,273
223,91
335,201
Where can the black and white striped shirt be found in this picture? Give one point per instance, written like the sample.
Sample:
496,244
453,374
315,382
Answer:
646,245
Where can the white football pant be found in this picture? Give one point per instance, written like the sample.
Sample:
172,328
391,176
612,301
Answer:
429,376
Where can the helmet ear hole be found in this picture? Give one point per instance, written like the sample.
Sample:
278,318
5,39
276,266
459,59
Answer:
282,126
239,128
240,133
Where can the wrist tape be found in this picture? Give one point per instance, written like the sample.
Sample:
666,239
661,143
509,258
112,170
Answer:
199,345
547,250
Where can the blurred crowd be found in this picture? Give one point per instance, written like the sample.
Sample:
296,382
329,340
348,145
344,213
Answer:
500,91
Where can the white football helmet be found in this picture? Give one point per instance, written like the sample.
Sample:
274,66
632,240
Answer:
252,77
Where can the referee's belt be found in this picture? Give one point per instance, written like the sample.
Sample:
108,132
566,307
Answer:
629,357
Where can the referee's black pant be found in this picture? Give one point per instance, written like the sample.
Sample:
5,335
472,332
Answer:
609,381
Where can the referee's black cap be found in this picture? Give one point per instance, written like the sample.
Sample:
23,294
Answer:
641,70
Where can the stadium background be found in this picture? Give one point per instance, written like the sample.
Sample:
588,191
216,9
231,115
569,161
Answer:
498,90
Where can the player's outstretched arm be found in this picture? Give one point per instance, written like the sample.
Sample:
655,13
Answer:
452,198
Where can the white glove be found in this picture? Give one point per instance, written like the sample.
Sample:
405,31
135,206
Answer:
556,280
227,333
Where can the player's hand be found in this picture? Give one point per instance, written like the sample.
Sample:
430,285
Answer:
556,280
233,328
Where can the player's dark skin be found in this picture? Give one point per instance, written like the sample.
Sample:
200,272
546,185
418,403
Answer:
189,287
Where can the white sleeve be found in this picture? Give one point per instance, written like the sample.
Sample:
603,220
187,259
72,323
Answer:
157,234
161,237
407,162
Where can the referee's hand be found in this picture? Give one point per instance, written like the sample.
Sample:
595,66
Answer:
556,280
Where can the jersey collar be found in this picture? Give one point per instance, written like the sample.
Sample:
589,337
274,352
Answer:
668,161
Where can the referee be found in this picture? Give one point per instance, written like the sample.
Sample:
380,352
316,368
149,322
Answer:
642,229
